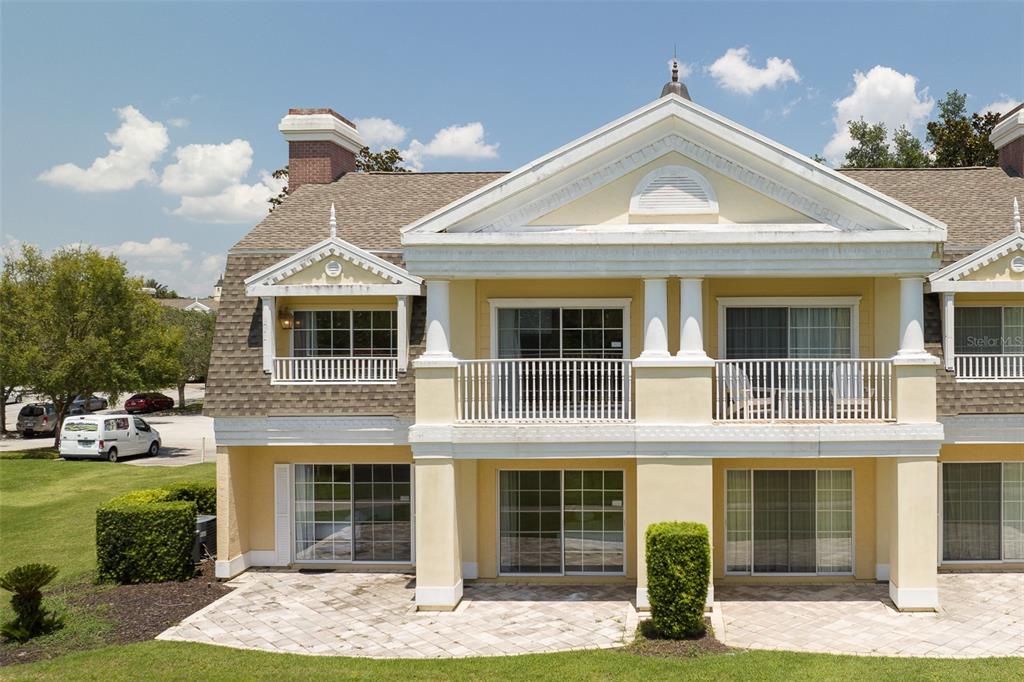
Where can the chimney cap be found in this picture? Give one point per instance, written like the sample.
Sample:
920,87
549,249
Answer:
321,125
675,86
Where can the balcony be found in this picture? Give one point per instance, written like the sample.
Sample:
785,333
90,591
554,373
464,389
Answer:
544,390
335,370
803,390
990,367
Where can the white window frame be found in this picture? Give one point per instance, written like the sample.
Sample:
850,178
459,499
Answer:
365,307
347,562
853,522
561,493
851,302
942,518
498,303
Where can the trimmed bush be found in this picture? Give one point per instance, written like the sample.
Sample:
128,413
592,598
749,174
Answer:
678,570
26,584
145,536
203,494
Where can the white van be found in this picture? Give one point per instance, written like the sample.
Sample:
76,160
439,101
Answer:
108,436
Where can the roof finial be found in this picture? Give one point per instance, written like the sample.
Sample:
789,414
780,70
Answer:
334,222
675,68
1016,216
674,86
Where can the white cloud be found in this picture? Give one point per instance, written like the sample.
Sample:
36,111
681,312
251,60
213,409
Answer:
1001,106
236,203
178,122
457,141
171,263
157,249
882,95
137,143
380,132
205,169
735,72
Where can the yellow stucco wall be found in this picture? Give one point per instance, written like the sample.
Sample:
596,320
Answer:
998,271
487,509
863,512
973,299
292,303
609,204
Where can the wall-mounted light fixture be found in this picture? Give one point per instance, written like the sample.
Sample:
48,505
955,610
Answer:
285,318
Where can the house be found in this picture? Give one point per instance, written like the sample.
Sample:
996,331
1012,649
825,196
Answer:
194,304
511,375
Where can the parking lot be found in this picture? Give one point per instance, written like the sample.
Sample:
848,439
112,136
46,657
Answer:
185,438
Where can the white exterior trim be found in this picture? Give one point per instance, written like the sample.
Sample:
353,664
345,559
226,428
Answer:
914,598
1008,130
710,199
983,428
283,527
496,303
233,431
851,302
268,311
321,127
950,278
882,572
229,568
439,596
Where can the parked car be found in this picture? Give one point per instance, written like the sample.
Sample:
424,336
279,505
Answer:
37,418
148,402
14,397
82,404
107,437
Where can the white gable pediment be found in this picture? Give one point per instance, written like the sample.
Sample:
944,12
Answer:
672,125
333,267
999,267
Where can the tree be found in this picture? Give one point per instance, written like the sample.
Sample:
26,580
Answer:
279,174
193,357
871,149
162,290
386,161
908,151
94,329
21,277
958,140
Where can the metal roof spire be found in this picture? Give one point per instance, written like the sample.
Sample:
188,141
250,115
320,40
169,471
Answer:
674,86
334,222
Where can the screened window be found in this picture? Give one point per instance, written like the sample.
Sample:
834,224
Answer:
345,333
353,512
988,330
789,521
983,511
558,522
788,332
560,333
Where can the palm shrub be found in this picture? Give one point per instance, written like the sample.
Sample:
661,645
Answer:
26,584
678,569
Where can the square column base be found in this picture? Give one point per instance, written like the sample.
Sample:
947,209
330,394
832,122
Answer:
914,598
438,598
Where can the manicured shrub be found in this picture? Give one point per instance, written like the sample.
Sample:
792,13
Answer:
678,570
145,536
203,494
26,584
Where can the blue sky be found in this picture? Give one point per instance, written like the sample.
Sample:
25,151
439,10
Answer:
201,87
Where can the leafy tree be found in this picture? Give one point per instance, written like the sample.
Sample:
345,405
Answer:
961,140
908,151
871,149
162,290
387,161
21,277
279,174
94,329
193,357
26,583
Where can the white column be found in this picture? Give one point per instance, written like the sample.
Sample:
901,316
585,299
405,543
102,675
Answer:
655,318
948,337
911,318
438,324
402,313
269,313
691,319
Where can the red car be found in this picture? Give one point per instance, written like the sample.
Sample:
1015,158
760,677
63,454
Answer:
148,402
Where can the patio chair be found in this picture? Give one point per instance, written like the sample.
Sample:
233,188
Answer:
852,397
745,400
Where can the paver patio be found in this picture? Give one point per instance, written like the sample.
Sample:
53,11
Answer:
372,615
982,614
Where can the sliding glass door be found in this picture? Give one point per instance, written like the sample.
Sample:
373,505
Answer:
788,332
789,521
983,511
591,333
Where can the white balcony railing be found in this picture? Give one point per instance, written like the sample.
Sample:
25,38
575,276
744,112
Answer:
335,370
1005,367
803,390
533,390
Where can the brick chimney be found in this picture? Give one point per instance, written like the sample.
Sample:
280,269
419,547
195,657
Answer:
322,144
1008,139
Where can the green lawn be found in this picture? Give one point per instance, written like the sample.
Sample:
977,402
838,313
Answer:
172,660
48,507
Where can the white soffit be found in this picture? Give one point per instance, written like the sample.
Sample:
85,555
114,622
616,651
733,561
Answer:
268,282
951,277
672,123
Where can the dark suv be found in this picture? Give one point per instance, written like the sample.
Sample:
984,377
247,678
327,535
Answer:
148,402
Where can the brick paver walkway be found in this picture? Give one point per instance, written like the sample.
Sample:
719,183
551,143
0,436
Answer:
372,615
982,614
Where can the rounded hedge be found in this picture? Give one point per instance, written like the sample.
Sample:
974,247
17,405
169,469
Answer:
678,570
146,536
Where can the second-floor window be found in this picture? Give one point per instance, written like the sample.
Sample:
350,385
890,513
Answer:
988,330
788,332
590,333
345,333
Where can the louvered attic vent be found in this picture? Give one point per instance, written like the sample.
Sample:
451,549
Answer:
673,190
